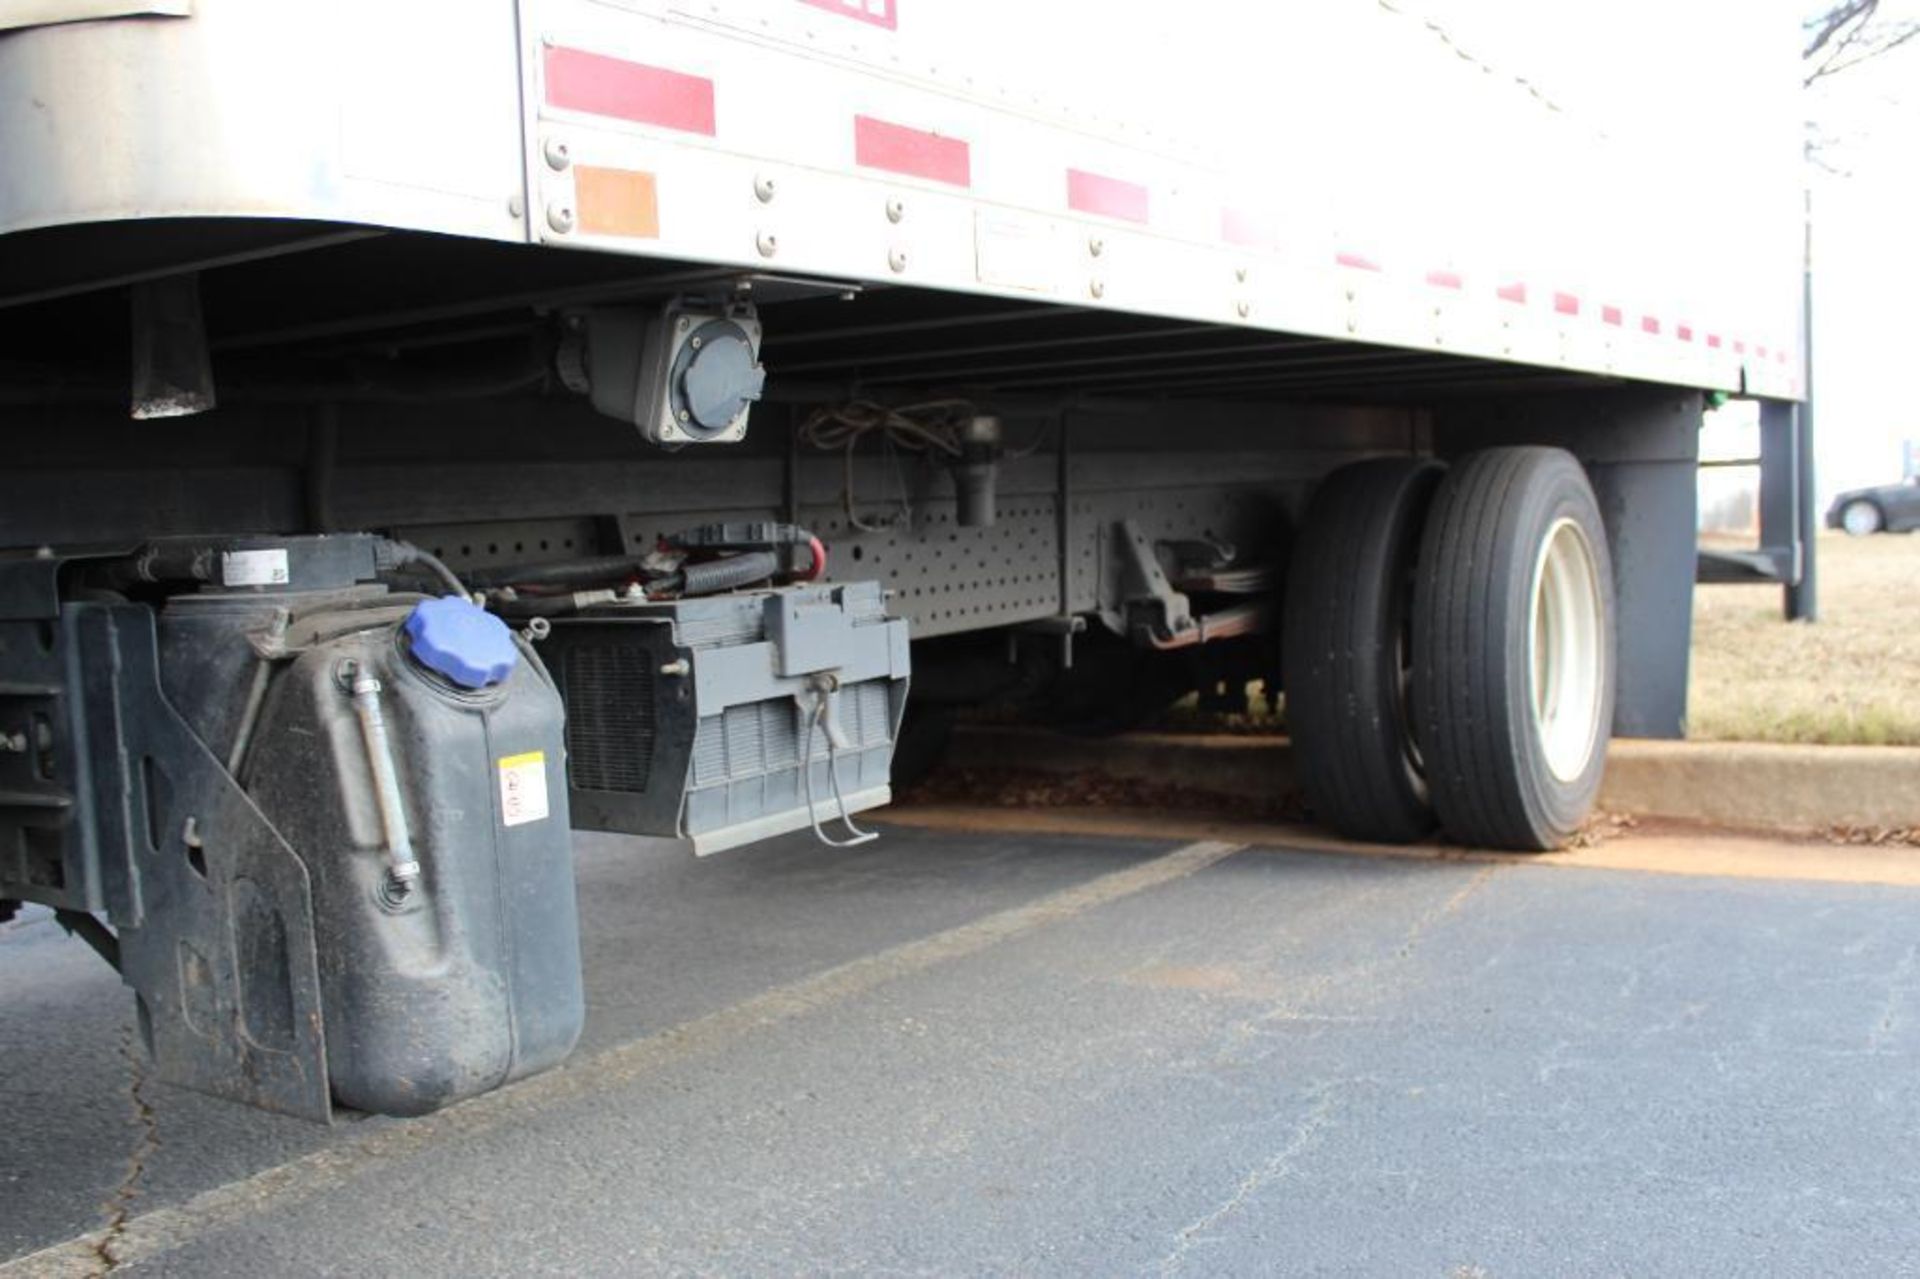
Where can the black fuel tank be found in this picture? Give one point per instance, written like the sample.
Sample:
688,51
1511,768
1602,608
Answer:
466,974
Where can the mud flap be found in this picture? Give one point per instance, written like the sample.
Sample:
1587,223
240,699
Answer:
222,957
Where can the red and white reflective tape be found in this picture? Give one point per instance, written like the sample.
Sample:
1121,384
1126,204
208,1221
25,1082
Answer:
595,84
625,202
1106,197
896,148
881,13
1248,230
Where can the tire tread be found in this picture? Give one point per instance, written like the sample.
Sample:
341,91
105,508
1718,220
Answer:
1470,611
1348,736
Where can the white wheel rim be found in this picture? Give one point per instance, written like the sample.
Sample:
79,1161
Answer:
1860,519
1566,647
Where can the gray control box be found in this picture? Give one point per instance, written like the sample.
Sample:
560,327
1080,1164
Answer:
725,720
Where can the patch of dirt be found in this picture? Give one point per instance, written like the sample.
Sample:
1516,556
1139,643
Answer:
1206,980
1875,836
1601,827
1036,788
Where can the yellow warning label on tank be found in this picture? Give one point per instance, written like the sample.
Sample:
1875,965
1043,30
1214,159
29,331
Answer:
523,788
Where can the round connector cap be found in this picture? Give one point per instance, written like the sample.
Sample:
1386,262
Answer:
716,377
462,641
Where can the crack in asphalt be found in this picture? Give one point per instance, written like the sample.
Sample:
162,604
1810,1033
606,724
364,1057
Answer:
1278,1167
1319,1116
118,1207
1899,986
1420,926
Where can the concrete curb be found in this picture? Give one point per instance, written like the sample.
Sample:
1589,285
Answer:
1800,788
1763,784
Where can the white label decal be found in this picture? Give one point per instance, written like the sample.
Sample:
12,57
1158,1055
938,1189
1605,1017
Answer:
523,788
1016,252
254,568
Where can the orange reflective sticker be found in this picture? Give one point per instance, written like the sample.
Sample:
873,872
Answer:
616,202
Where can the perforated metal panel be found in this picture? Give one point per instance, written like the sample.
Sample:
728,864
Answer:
946,578
502,542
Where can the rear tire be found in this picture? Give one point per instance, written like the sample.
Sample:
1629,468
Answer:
1345,650
1513,656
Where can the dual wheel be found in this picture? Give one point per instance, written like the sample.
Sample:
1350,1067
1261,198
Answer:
1448,649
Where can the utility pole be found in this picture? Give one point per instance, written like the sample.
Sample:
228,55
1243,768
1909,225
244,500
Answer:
1802,596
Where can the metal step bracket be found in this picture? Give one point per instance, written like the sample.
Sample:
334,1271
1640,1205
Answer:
1149,609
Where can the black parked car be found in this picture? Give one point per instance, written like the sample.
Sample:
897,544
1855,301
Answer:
1891,508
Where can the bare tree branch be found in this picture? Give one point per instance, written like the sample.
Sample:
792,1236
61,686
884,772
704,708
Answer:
1848,34
1824,27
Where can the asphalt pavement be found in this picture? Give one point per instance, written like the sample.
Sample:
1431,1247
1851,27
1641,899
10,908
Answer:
981,1051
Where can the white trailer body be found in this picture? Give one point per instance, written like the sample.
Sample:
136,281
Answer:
1609,189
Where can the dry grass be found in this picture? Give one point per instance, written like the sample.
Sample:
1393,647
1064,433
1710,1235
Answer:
1852,677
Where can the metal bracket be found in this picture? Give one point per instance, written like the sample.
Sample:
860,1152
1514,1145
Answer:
1786,550
223,956
1149,608
1062,628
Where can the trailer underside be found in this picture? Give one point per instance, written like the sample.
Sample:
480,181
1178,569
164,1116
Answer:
405,382
1120,536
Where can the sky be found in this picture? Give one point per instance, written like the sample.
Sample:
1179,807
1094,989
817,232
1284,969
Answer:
1866,254
1866,203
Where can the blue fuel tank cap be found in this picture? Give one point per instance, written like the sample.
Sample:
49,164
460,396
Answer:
461,641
